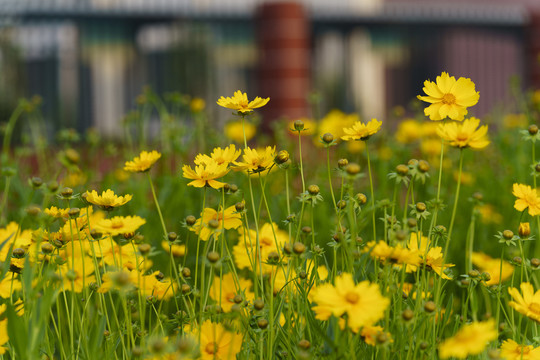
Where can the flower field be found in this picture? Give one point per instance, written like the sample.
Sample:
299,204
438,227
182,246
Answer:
333,238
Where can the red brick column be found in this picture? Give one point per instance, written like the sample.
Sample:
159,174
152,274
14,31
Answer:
284,58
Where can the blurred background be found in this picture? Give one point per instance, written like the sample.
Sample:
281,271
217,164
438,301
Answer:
90,59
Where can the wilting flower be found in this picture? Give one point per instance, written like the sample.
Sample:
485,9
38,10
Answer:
119,225
218,343
226,292
219,156
493,267
471,339
234,130
255,161
143,162
464,134
448,97
511,350
527,304
240,102
363,302
206,174
361,131
223,219
107,200
526,198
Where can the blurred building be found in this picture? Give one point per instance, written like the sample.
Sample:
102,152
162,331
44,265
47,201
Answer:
89,59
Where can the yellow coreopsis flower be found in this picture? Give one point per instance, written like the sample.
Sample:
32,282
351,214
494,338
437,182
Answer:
223,219
408,131
119,225
527,197
471,339
361,131
485,263
334,122
527,304
363,303
219,156
143,162
225,291
511,350
448,97
234,130
218,343
256,161
240,102
57,213
432,258
176,250
108,200
206,174
370,333
466,134
397,255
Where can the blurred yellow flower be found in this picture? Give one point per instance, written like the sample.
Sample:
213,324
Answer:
108,200
395,255
485,263
57,212
527,304
512,121
465,134
175,249
218,343
228,219
225,291
255,161
363,303
471,339
206,174
448,97
527,197
143,162
408,131
489,215
197,105
235,131
370,333
361,131
240,102
334,122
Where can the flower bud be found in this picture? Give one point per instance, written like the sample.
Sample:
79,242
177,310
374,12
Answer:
421,207
328,138
341,204
213,257
430,306
533,130
172,236
144,249
240,206
47,248
213,224
524,230
36,182
233,188
412,223
402,169
306,230
313,189
342,163
185,288
352,169
186,272
535,263
190,220
517,260
282,157
66,192
423,166
298,125
407,314
361,198
508,234
304,344
52,185
262,323
258,304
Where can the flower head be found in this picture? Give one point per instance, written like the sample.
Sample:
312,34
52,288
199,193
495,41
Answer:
511,350
471,339
527,197
363,303
240,102
448,97
219,156
218,343
224,291
493,267
107,200
528,304
143,162
119,225
361,131
228,219
255,161
465,134
206,174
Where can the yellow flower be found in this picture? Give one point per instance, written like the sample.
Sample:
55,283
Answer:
363,302
177,250
485,263
197,105
397,255
255,161
240,102
524,229
361,131
511,350
219,156
246,254
489,215
528,304
224,291
465,134
512,121
471,339
408,131
369,334
235,131
334,122
107,200
218,343
448,97
57,212
119,225
526,198
143,162
228,219
432,258
206,174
